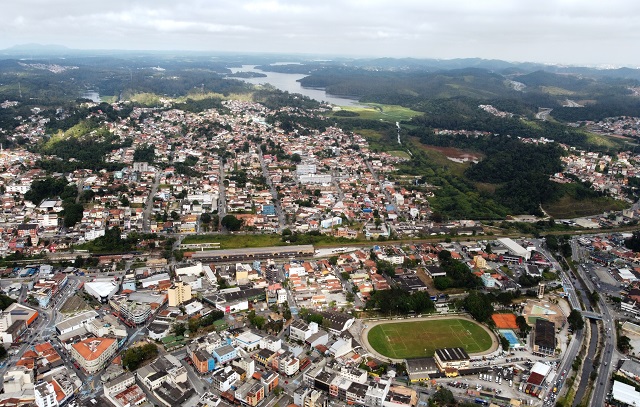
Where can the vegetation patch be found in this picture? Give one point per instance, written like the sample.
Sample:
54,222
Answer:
569,207
377,111
400,154
421,338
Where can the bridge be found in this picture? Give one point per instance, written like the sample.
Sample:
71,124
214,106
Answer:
591,315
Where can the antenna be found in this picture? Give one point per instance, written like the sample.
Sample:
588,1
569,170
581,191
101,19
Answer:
20,90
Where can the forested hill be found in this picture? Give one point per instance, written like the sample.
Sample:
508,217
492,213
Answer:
410,88
600,95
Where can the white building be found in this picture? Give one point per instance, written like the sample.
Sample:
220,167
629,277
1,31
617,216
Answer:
45,395
102,289
301,331
77,322
190,270
514,248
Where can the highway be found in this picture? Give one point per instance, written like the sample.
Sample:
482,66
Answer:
604,366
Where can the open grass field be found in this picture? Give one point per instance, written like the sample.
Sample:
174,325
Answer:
400,154
421,338
376,111
567,207
74,304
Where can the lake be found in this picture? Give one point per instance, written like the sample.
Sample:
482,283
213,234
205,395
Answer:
289,82
91,94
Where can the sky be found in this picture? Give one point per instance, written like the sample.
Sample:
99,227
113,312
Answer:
576,32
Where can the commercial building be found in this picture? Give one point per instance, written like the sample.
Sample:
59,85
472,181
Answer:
131,312
179,293
450,360
93,354
514,248
76,322
258,253
544,341
625,393
102,289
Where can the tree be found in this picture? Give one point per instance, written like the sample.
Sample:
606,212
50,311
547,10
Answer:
575,320
286,312
523,326
231,223
443,397
504,342
179,329
624,344
135,356
205,218
295,158
479,306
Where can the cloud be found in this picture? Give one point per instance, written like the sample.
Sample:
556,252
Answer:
566,31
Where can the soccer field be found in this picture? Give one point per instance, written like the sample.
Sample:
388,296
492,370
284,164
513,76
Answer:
414,339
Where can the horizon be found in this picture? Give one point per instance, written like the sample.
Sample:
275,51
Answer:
560,32
40,50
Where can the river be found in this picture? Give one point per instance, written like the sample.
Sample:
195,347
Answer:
289,82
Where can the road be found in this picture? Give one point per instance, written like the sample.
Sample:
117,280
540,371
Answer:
543,113
222,198
604,365
146,216
274,194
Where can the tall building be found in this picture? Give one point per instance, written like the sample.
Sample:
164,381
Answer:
179,293
93,354
45,395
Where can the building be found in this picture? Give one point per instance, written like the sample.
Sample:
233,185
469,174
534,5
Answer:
224,354
131,312
203,361
45,395
250,393
419,369
450,360
120,383
631,369
102,289
248,341
223,379
76,322
625,393
179,293
301,331
251,254
338,322
544,340
514,248
93,354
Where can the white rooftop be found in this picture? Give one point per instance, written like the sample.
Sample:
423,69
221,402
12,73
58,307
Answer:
625,393
541,369
248,337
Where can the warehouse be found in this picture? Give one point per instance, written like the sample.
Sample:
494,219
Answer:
258,253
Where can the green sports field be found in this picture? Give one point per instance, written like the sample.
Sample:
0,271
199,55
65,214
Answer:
405,340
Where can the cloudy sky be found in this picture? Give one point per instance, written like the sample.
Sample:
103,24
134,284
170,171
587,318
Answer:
594,32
